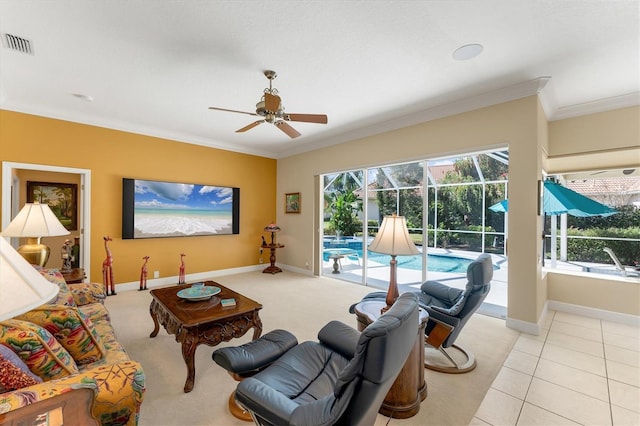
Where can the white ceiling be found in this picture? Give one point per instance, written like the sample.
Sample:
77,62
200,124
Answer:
154,67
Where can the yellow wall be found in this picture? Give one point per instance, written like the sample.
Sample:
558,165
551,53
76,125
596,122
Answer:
112,155
595,142
616,295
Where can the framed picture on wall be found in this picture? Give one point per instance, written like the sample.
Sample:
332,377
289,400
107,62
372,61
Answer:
61,197
292,202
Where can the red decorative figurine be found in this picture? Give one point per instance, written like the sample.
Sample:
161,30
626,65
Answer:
181,279
107,270
143,274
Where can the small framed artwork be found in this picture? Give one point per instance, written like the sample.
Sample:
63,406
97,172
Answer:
292,202
61,197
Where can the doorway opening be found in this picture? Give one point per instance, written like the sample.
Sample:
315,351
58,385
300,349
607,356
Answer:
12,200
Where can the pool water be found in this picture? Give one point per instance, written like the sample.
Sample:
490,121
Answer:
437,263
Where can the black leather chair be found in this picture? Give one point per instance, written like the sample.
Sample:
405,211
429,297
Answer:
341,379
449,310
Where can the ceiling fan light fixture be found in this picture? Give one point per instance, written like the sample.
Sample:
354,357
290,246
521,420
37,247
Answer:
467,52
260,108
271,109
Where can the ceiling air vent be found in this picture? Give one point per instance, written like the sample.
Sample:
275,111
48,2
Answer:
18,43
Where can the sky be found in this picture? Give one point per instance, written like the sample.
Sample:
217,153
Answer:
168,195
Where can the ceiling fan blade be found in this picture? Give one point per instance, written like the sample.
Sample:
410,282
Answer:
307,118
271,102
250,126
293,133
233,110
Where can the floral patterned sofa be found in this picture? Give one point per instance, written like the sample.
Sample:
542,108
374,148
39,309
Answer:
66,344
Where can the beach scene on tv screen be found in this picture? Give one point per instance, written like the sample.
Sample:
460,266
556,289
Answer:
165,209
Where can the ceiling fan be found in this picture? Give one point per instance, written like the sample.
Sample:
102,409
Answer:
270,107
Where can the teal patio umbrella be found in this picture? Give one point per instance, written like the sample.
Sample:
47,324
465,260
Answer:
501,207
558,199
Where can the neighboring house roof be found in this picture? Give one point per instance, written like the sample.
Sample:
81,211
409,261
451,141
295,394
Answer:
616,191
438,172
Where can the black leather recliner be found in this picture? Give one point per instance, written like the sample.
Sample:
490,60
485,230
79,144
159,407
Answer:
341,379
449,310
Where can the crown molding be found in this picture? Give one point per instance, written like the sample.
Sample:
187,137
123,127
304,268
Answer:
486,99
129,127
490,98
601,105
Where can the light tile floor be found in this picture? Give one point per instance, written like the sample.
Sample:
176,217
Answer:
579,370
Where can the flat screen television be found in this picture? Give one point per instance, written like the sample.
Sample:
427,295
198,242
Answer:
156,209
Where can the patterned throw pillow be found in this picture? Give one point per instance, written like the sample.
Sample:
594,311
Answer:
87,293
14,373
54,276
71,328
42,353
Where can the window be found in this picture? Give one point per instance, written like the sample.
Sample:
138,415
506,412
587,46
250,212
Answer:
577,243
455,194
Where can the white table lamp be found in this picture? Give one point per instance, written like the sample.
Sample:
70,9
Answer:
22,288
393,239
35,221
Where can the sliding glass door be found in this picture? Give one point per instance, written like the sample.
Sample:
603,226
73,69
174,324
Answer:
446,204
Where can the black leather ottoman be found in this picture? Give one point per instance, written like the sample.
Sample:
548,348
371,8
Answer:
248,359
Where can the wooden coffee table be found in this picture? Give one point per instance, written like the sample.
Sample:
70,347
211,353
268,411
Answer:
198,322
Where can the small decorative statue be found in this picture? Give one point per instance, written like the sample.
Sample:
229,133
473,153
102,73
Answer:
67,256
181,279
107,270
75,253
143,274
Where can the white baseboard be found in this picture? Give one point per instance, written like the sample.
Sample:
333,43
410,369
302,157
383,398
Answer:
200,276
161,282
297,270
524,326
528,327
586,311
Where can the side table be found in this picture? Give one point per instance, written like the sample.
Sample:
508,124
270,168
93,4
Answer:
272,269
410,389
336,262
73,407
74,275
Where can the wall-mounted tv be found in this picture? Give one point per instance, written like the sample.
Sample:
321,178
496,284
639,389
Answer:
156,209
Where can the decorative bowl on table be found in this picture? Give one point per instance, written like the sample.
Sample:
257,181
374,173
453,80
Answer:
198,293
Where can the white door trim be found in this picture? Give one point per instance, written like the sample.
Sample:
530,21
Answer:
84,224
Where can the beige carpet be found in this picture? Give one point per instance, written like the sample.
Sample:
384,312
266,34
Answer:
302,305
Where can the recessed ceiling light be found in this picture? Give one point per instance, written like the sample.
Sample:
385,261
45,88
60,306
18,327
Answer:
82,97
466,52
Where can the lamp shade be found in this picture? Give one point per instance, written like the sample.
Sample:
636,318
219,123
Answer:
272,227
35,220
22,288
393,238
